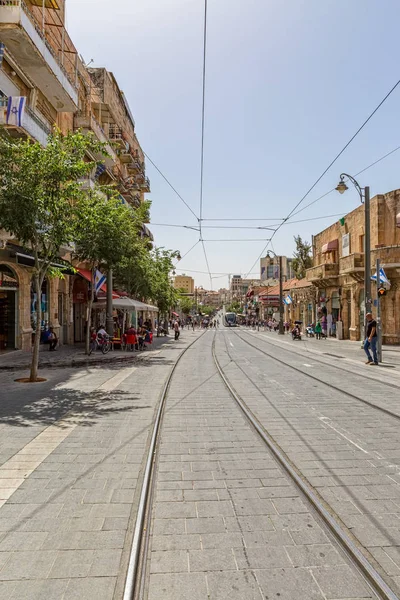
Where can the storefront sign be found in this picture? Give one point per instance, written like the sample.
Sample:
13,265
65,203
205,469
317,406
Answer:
346,244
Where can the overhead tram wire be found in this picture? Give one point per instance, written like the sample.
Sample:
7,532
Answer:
327,168
171,186
355,175
190,249
203,111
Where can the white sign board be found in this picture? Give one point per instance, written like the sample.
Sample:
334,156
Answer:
346,244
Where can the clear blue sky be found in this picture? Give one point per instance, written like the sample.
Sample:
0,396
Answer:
288,83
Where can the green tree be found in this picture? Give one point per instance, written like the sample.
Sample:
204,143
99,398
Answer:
302,257
107,233
186,304
39,190
234,307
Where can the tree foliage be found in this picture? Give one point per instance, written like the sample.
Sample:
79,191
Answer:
39,192
302,257
186,304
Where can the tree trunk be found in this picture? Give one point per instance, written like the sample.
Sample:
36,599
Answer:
36,344
89,315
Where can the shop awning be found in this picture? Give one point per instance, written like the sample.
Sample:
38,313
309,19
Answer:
175,314
330,246
130,304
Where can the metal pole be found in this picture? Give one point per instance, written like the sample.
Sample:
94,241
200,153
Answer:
367,259
378,310
281,328
109,307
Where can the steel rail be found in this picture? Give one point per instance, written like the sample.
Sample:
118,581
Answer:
133,573
330,385
368,571
333,366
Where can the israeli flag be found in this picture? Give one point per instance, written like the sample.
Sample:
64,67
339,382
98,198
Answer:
16,110
2,48
382,277
288,300
99,280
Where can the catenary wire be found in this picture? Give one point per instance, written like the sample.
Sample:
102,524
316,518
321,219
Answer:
207,263
355,175
327,168
171,186
203,112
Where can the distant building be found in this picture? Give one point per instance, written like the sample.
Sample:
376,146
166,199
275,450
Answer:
269,268
184,282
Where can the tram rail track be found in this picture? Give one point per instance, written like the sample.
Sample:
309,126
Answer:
331,520
331,365
134,581
321,381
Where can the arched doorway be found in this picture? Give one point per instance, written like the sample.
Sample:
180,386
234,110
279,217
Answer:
9,284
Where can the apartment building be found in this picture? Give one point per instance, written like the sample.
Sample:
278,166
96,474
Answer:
338,271
269,268
43,83
184,282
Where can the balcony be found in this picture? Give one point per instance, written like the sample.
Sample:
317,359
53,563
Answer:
323,275
116,136
388,255
145,186
25,40
33,126
89,123
352,265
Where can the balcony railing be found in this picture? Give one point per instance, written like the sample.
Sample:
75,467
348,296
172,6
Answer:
352,263
89,123
323,272
27,42
146,185
32,125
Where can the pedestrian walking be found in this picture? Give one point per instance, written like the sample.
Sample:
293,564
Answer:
318,330
176,329
371,340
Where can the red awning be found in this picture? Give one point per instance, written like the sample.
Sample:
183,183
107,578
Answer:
175,314
250,293
330,246
86,274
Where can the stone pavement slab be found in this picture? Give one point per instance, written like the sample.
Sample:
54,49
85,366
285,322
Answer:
72,452
349,451
219,535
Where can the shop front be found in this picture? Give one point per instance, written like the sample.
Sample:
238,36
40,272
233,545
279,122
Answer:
9,286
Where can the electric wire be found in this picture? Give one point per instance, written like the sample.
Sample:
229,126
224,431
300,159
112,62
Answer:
190,249
207,263
327,169
203,112
171,186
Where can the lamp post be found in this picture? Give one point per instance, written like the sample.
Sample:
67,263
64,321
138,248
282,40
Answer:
365,198
281,329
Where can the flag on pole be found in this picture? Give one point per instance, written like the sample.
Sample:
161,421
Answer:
288,300
99,280
2,48
382,276
15,110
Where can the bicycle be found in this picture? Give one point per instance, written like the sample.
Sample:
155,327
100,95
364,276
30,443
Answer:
101,342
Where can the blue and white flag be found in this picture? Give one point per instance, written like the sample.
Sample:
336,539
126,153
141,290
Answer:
15,110
99,280
288,300
382,277
2,48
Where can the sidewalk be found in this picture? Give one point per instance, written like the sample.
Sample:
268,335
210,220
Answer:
336,348
74,356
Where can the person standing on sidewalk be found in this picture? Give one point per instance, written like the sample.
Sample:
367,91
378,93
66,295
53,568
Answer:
176,329
318,330
371,340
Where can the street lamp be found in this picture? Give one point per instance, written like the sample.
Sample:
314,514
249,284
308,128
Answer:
364,197
281,327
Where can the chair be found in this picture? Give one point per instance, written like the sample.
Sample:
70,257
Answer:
131,341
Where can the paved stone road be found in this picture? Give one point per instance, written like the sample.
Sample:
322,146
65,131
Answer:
228,522
71,453
349,451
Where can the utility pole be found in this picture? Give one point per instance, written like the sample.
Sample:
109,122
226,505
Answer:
281,328
378,309
109,305
367,254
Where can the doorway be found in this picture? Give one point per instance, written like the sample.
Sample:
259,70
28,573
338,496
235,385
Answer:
8,309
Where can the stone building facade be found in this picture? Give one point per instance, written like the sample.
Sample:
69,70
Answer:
338,268
39,63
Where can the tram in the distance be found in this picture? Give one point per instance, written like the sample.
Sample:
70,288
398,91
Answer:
230,319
